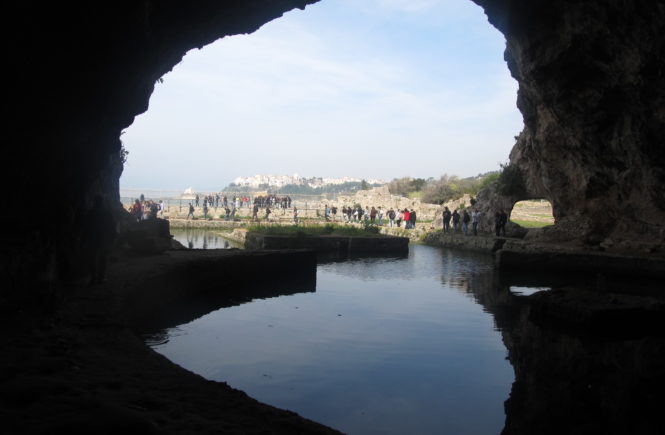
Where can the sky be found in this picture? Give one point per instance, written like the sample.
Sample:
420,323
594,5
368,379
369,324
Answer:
367,89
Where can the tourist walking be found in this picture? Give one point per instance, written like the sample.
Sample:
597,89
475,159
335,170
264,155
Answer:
379,214
191,211
412,219
295,215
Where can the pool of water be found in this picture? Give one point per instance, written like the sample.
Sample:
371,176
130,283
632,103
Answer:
388,346
202,239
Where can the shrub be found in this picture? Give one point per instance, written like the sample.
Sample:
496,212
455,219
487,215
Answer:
512,181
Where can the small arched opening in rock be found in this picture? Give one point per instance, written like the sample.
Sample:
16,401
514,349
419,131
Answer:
532,213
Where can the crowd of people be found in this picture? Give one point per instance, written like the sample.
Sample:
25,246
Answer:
372,216
218,200
143,209
262,201
454,221
461,221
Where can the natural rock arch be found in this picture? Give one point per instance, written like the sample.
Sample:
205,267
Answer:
591,90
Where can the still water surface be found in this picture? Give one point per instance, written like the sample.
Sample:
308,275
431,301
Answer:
389,346
193,238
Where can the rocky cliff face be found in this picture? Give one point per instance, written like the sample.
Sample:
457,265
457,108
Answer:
79,74
591,91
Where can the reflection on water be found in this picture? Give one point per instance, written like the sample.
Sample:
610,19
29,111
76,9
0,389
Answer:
425,344
382,346
527,291
193,238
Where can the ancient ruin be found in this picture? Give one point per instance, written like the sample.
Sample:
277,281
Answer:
591,80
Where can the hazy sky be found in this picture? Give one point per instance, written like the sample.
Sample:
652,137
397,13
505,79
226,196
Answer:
368,89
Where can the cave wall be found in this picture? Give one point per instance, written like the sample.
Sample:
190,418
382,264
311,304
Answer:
592,94
591,91
79,74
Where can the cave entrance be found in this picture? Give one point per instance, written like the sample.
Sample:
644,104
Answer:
372,92
532,213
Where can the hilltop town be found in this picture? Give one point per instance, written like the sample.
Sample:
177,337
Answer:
276,181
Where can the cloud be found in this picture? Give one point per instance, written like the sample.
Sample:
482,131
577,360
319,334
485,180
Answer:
302,95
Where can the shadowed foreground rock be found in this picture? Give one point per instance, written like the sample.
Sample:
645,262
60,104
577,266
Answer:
586,360
81,370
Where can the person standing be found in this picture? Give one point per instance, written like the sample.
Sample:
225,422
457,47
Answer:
407,218
196,200
268,211
391,217
446,220
466,218
372,215
503,220
136,210
455,220
205,209
412,219
380,215
295,215
161,208
475,219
